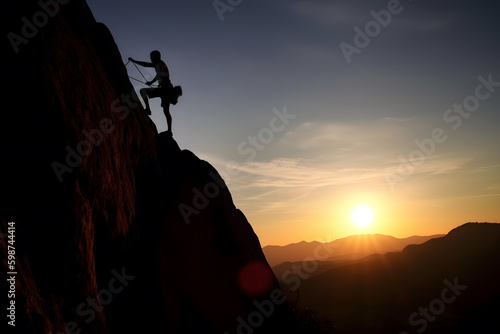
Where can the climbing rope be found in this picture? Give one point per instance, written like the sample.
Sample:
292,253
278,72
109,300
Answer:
140,72
142,82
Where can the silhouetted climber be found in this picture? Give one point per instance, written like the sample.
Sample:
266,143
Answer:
165,90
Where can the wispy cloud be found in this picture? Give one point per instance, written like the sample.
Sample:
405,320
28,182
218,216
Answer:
282,184
350,142
399,119
327,13
424,25
299,173
352,13
335,155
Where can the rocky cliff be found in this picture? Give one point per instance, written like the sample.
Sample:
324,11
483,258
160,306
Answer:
117,230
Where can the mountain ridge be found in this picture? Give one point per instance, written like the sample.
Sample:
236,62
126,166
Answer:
355,235
381,293
350,247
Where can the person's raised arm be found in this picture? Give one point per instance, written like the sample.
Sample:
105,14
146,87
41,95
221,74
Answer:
141,63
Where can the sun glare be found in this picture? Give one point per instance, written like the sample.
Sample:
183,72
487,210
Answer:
362,215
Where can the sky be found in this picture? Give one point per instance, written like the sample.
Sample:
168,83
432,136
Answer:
311,108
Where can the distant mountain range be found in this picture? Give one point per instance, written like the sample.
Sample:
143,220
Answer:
449,284
349,248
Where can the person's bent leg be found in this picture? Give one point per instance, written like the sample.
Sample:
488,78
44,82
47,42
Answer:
145,98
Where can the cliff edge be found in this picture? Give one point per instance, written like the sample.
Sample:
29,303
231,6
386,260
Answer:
117,230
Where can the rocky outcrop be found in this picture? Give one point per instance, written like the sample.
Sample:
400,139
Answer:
117,229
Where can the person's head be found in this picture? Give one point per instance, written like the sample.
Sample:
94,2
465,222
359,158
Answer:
155,56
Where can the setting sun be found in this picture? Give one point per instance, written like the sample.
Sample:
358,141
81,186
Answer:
362,215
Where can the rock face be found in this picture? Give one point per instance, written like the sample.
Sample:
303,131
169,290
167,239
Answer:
118,230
